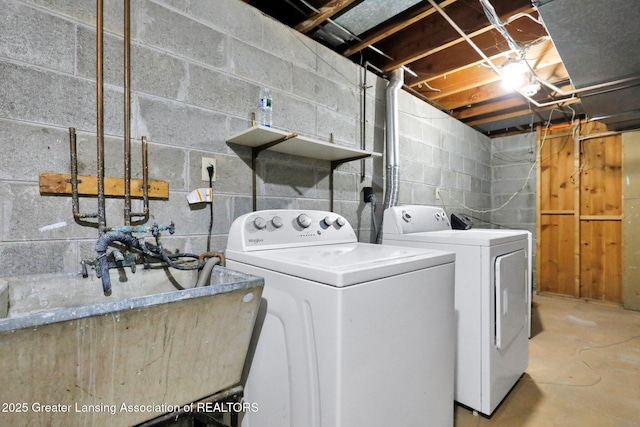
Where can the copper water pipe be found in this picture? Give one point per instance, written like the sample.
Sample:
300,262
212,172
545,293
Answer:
75,204
75,198
145,185
127,113
102,222
101,215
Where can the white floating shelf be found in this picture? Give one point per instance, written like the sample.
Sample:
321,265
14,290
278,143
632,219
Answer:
258,136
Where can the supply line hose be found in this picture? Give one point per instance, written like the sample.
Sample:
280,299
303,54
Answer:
170,259
101,249
214,258
156,252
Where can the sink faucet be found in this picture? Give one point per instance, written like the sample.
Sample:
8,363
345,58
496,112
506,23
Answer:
124,236
101,248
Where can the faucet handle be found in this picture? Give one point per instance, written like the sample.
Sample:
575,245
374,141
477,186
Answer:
156,229
83,267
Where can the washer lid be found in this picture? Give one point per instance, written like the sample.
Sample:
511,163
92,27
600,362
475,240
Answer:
472,237
343,265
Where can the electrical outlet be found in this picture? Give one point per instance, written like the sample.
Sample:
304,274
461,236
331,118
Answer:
206,161
438,196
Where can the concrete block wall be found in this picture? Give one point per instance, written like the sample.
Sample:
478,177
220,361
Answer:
197,69
437,152
514,183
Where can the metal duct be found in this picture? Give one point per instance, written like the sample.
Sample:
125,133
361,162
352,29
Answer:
598,42
392,141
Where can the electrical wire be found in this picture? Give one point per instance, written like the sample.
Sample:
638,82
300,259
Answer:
533,165
580,358
210,171
373,215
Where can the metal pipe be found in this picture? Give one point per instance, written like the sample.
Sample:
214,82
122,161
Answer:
568,94
127,112
75,194
392,140
144,215
363,119
75,202
355,37
102,222
500,26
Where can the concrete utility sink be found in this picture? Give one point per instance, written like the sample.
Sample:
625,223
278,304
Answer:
69,356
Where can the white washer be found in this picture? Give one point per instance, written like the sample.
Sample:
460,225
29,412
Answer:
354,334
492,299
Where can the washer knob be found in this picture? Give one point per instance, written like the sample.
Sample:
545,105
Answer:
277,222
328,220
304,220
341,221
260,223
406,216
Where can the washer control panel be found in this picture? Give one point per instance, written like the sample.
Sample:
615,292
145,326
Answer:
284,228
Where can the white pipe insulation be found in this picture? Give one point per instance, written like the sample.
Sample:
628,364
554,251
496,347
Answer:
392,139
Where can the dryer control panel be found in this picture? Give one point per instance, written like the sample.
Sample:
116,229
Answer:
414,219
283,228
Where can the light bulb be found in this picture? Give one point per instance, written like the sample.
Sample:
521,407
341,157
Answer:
514,74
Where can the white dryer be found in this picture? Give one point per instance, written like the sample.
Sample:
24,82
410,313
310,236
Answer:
492,298
354,334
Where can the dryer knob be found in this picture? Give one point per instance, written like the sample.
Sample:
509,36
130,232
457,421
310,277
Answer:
260,223
277,222
328,220
341,221
406,216
304,220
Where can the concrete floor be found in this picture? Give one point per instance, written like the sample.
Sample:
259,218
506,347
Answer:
584,370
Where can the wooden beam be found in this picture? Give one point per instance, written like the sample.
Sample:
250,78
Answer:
507,115
423,52
410,45
498,117
395,24
326,12
543,59
482,93
489,108
461,54
56,184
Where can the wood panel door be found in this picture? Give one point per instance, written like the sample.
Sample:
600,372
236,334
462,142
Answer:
556,213
580,212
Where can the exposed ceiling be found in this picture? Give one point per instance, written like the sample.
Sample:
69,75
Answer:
581,55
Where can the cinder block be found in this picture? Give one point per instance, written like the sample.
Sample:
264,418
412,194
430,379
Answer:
256,65
180,125
230,17
182,36
36,37
218,91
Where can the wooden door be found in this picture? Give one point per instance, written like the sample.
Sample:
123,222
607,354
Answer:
580,212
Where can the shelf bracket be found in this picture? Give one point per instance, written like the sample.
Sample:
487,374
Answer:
334,165
260,138
255,151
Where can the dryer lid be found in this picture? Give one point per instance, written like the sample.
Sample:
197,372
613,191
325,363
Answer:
472,237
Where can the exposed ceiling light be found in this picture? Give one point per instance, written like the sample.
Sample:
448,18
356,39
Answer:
514,73
530,89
